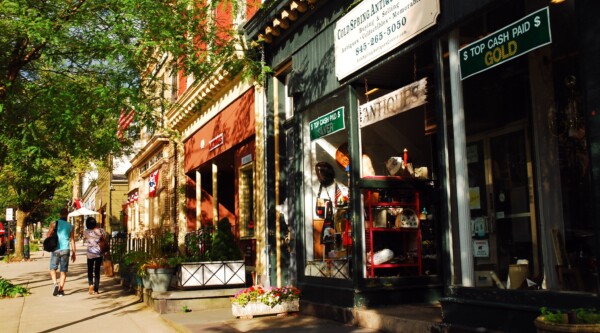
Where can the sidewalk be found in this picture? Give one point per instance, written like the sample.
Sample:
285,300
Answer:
403,318
118,309
115,309
222,321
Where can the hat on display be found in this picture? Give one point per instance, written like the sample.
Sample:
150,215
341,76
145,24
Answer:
325,173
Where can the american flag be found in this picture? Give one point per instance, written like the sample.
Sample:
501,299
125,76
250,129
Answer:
338,195
124,122
153,183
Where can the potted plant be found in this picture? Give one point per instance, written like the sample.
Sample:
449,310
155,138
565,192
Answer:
256,300
160,265
220,265
158,273
131,268
576,320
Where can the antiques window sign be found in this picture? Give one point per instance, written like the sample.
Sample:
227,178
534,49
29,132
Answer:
403,99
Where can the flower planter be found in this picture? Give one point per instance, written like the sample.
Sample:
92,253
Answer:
160,279
259,309
547,327
211,273
146,278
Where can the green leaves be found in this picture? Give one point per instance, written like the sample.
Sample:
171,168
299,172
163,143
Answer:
8,289
68,67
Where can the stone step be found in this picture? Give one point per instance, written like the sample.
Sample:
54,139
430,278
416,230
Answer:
177,300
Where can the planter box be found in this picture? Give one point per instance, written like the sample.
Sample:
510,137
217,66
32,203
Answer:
211,273
160,278
259,309
545,327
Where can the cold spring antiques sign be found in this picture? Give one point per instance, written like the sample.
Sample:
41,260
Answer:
375,27
514,40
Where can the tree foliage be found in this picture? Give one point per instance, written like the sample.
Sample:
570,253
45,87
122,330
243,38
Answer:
67,68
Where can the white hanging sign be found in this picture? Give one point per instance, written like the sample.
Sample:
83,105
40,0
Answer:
398,101
375,27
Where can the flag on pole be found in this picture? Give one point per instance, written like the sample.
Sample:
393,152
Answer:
338,195
153,183
124,122
341,195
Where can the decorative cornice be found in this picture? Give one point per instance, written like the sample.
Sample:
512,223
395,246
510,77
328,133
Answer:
148,150
281,20
186,106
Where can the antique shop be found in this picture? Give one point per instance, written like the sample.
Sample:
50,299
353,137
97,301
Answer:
435,150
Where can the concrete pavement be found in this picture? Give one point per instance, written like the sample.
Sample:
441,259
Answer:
113,310
119,309
222,321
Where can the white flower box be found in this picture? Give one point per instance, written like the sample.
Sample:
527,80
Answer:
211,273
259,309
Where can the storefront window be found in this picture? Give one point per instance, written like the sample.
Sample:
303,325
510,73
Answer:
397,139
397,135
527,160
327,228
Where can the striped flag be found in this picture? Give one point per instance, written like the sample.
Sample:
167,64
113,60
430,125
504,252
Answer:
153,183
124,122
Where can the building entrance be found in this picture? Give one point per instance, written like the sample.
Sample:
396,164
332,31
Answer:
504,228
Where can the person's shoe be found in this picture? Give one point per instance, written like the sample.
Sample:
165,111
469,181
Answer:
91,290
61,293
96,292
55,290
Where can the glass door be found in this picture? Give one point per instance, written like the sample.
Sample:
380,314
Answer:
502,209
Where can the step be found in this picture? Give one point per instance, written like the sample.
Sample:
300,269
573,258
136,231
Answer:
176,300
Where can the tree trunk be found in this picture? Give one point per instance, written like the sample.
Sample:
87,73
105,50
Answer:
20,227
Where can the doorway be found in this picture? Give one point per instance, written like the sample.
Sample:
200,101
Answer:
502,204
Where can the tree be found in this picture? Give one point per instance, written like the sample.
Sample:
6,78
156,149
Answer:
67,68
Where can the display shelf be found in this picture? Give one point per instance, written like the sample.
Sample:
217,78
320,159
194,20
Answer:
404,242
382,182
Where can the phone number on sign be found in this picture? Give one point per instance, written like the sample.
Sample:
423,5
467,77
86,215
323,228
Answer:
378,37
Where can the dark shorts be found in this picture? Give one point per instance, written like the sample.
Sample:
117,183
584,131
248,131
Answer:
61,256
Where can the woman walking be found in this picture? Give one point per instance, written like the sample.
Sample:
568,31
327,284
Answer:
92,235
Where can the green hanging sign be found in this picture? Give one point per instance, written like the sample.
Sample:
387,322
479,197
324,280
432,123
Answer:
516,39
327,124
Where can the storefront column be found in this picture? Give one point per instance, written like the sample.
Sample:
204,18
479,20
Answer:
215,198
198,199
460,163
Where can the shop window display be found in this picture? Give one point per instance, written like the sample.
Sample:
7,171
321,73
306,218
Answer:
328,228
396,184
